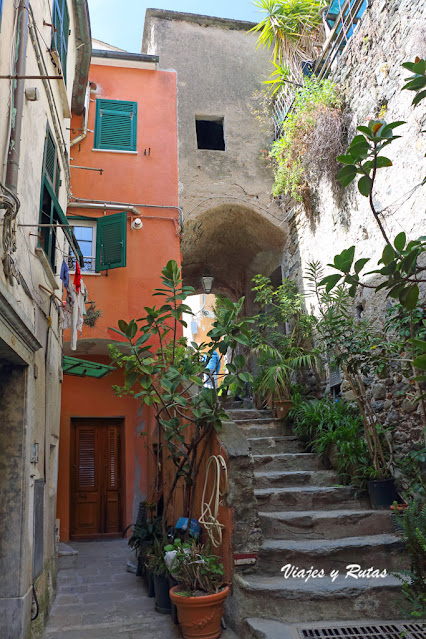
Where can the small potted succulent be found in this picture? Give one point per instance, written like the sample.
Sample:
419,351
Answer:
200,593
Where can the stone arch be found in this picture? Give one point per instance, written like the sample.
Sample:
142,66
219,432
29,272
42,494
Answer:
233,241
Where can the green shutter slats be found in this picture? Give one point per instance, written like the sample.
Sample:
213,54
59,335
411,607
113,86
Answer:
61,23
111,236
116,125
49,156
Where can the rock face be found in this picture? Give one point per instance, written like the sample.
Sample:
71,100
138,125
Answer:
370,77
310,522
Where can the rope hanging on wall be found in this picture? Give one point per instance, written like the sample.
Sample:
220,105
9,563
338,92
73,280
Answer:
210,508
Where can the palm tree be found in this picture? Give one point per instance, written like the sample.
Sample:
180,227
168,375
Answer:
290,27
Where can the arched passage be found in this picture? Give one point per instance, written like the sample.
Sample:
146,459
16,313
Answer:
234,242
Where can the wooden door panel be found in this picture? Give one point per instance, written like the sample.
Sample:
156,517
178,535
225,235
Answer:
95,486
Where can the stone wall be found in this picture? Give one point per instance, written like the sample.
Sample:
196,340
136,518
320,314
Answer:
370,77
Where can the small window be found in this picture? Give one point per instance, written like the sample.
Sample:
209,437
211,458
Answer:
85,234
61,24
102,242
210,133
115,125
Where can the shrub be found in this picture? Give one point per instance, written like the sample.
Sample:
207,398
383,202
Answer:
311,139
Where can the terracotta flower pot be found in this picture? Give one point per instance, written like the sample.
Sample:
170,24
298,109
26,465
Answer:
282,407
200,617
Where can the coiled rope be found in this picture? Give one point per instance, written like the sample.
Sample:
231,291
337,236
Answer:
210,508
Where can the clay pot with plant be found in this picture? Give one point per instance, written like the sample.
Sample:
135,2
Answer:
200,594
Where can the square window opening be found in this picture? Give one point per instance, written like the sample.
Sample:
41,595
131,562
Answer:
210,133
85,234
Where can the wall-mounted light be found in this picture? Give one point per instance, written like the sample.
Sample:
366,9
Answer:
207,281
136,224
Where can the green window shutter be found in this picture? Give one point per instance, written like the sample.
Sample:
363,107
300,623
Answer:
111,236
61,22
116,125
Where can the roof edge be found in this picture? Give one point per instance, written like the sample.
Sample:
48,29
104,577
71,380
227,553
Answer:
210,21
124,55
84,48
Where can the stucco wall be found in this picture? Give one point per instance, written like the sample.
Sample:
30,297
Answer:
231,221
41,399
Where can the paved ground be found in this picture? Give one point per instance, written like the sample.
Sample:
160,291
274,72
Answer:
97,599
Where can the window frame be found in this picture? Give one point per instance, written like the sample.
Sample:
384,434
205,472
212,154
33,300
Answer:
88,223
61,22
99,145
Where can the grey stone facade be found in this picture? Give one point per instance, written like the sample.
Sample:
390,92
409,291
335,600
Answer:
232,224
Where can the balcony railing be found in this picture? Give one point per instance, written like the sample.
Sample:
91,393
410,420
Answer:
340,20
89,263
343,15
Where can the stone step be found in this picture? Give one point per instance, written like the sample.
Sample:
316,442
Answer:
248,414
313,524
378,551
307,498
263,428
293,600
287,461
283,479
285,444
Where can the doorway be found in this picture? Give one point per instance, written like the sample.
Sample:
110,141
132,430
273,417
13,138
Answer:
96,478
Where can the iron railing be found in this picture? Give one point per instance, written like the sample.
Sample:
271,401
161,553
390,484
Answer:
89,263
344,16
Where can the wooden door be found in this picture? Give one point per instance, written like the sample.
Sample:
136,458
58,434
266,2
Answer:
96,479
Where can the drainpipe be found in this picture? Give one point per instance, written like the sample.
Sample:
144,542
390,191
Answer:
83,203
129,208
83,134
17,106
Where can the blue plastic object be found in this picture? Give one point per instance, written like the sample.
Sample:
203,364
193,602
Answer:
182,524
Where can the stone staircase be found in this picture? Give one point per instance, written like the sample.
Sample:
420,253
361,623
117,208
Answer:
309,520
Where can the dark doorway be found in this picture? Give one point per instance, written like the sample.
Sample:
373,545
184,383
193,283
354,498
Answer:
210,134
96,478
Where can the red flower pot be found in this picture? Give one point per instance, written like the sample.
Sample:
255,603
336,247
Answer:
200,617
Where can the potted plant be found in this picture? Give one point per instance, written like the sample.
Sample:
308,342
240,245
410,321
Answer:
158,567
200,593
143,535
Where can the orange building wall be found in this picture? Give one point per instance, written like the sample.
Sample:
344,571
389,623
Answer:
123,292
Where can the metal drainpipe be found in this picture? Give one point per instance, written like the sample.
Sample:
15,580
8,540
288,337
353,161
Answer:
83,134
103,206
83,203
17,106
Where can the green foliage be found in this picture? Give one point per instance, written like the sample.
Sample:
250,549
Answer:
162,371
291,154
416,83
289,28
156,560
357,347
334,429
280,337
196,570
413,524
401,265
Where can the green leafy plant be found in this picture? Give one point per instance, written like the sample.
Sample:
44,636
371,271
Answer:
334,430
197,571
163,372
144,533
280,337
358,348
311,138
418,82
291,28
412,522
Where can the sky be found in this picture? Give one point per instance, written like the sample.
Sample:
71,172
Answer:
121,23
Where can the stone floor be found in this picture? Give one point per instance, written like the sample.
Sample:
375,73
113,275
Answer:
97,599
